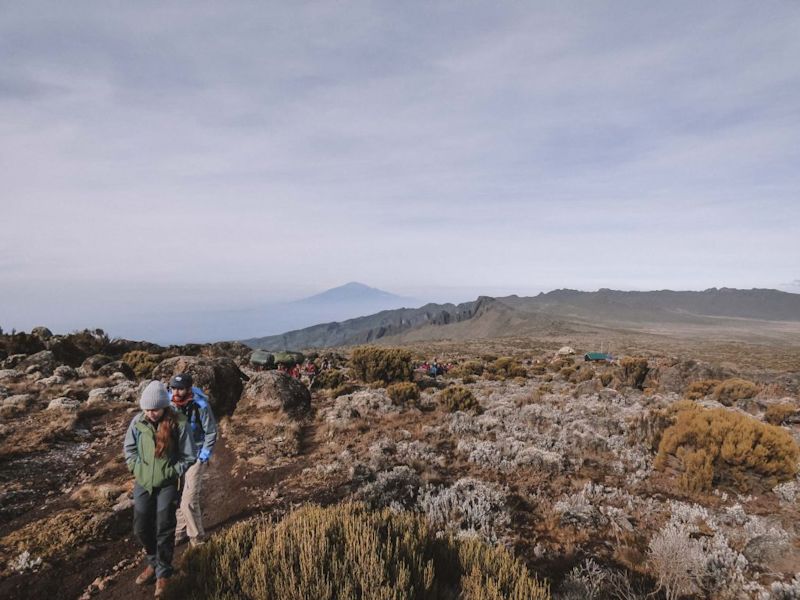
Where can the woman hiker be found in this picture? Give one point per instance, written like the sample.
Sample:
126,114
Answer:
158,451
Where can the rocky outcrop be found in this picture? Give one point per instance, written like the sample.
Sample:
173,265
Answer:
220,378
273,391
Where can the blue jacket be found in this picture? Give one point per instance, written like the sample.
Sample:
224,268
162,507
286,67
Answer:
202,423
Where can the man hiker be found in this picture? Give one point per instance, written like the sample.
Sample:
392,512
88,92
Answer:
193,404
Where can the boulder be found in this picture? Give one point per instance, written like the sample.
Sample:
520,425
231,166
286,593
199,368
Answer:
43,333
273,391
63,403
92,364
116,366
66,372
219,377
9,375
43,362
19,401
14,360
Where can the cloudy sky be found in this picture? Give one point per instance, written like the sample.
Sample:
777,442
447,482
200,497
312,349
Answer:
178,156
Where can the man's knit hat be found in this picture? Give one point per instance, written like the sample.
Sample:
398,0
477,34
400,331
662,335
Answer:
154,396
181,381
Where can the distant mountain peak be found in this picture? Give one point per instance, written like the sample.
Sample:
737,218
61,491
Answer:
352,291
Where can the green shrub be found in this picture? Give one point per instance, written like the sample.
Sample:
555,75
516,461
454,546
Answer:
634,370
329,379
141,362
731,390
372,363
458,397
721,446
347,552
700,389
404,392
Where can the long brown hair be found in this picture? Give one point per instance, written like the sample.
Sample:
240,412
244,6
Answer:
166,433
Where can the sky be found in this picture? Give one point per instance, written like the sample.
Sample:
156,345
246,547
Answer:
160,158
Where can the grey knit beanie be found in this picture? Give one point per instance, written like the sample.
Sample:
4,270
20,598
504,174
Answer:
154,396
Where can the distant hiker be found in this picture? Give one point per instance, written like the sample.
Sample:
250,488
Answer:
192,403
158,451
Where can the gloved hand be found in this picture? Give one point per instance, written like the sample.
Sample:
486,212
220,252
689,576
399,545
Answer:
204,455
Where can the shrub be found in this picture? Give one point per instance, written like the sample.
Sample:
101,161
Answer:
634,370
776,414
141,362
722,446
404,392
466,380
347,551
731,390
467,369
343,390
567,372
606,377
371,363
329,379
459,398
700,389
507,366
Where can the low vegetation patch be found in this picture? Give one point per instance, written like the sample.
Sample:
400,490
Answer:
141,362
329,379
507,367
731,390
721,446
348,551
700,389
460,398
634,370
776,414
371,363
404,392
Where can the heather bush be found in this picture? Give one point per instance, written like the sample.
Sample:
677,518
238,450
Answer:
404,392
731,390
348,551
721,446
467,369
634,370
329,379
507,367
343,390
459,398
141,362
372,363
776,414
700,389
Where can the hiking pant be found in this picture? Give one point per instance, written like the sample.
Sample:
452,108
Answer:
190,516
154,525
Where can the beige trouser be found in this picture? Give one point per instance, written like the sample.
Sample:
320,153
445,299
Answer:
190,516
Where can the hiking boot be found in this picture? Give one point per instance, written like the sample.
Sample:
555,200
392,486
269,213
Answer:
161,584
146,576
194,542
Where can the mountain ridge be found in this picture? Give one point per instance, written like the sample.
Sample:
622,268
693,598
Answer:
555,310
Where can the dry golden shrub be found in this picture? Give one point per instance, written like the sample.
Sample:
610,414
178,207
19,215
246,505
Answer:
467,369
634,370
507,367
776,414
58,534
347,551
141,362
567,372
721,446
731,390
372,363
329,379
459,398
700,389
403,392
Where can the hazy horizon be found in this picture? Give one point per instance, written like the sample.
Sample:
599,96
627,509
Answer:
178,159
